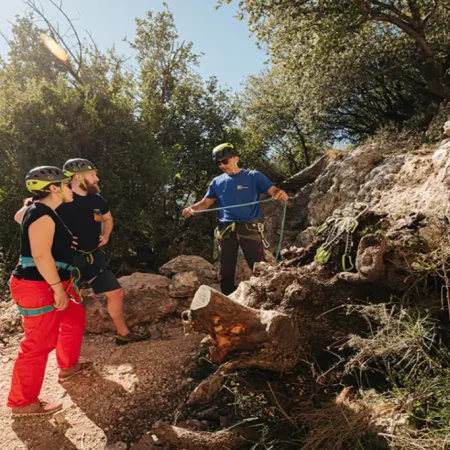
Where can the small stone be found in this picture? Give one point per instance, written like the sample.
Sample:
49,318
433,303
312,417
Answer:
6,359
60,417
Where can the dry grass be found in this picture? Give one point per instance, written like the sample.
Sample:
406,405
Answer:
340,425
400,342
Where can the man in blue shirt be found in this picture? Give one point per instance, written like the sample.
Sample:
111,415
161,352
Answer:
237,226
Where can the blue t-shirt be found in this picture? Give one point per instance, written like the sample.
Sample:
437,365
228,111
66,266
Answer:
243,187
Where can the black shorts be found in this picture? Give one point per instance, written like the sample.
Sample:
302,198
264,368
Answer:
93,266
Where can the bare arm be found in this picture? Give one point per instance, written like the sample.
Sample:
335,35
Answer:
107,227
277,193
19,214
41,235
205,203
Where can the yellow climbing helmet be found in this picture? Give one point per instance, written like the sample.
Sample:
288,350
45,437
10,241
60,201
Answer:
225,150
39,178
78,165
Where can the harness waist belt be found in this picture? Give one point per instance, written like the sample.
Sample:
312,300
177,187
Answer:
27,262
33,312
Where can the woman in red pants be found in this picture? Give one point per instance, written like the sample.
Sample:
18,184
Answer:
42,287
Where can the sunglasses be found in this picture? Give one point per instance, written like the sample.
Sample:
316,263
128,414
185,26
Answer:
224,161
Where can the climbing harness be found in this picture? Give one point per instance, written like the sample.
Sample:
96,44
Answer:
261,229
89,255
27,262
342,222
256,228
33,312
220,234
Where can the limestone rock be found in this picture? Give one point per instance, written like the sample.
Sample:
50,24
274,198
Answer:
146,300
188,263
184,284
447,128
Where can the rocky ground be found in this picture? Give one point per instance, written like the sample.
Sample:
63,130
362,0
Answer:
115,404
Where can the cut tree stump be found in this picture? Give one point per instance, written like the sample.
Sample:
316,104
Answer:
254,338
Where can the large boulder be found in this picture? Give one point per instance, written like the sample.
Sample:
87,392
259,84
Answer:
147,299
188,263
187,273
184,284
391,178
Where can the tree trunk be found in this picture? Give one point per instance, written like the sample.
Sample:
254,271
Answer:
257,338
199,440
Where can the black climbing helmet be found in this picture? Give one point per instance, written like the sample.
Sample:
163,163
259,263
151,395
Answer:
225,150
78,165
39,178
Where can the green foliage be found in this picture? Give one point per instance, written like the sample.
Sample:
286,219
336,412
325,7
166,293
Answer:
274,115
353,67
149,129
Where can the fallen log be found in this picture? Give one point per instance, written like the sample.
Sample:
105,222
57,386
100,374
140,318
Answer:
254,338
182,438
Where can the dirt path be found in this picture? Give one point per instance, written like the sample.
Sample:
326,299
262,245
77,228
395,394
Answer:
129,389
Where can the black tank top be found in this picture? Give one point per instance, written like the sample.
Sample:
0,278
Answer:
62,242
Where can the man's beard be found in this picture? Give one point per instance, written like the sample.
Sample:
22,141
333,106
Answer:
90,188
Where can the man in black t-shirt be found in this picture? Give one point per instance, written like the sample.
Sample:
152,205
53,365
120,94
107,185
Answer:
89,219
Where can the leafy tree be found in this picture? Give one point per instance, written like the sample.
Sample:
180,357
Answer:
275,112
358,65
149,129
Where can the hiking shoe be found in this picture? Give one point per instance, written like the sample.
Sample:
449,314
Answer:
40,408
132,336
65,375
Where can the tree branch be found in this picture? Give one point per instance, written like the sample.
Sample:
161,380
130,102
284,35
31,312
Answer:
431,15
80,47
54,31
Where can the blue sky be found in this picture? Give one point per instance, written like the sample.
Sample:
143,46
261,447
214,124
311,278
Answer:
230,54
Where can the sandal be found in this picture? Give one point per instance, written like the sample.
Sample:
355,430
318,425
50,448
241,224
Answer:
132,336
80,367
40,408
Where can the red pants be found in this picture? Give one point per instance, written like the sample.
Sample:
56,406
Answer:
62,330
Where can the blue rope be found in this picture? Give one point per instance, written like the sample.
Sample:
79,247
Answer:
233,206
283,220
